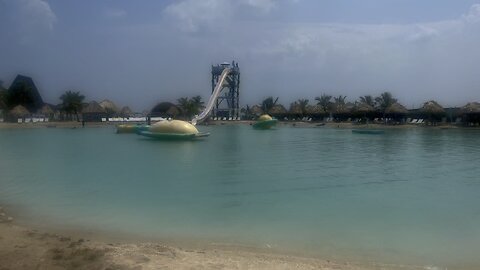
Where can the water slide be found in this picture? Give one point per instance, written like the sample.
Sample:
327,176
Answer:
216,92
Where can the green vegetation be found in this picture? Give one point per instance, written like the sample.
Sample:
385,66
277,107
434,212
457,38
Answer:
268,104
190,106
72,103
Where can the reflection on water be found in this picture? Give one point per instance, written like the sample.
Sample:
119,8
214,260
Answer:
406,195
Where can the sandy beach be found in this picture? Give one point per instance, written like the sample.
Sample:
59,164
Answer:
25,248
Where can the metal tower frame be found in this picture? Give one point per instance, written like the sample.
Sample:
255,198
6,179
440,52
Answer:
232,94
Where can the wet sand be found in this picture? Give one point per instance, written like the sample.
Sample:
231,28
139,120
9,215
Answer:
24,248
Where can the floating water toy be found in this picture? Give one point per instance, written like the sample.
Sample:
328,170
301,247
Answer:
265,122
172,130
368,131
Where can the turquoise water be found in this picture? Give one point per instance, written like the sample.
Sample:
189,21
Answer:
407,196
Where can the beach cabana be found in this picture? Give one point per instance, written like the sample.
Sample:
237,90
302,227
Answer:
278,111
295,110
126,112
363,110
110,108
46,111
396,112
432,111
471,113
18,112
256,110
93,112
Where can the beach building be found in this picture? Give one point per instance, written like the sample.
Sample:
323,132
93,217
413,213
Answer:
93,112
110,108
471,114
23,92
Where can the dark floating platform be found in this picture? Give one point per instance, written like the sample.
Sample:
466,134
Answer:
172,136
368,131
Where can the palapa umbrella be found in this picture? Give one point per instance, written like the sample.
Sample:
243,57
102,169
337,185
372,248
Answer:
432,107
363,108
93,107
471,108
46,110
277,109
126,111
19,111
109,106
340,108
396,108
295,108
314,109
256,109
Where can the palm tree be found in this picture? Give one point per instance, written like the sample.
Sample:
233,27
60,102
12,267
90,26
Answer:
197,104
384,101
269,103
339,104
303,103
367,100
185,105
72,102
324,101
190,106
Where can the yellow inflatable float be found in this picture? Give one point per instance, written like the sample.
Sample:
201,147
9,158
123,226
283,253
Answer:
265,121
172,129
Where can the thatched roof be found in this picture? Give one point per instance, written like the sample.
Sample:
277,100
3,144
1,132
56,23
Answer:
46,110
314,109
126,111
472,107
295,108
277,109
256,109
363,108
109,106
396,108
19,111
340,108
93,107
432,107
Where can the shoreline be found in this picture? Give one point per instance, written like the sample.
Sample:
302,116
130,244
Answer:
22,247
297,124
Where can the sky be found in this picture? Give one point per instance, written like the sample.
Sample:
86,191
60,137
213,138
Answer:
139,53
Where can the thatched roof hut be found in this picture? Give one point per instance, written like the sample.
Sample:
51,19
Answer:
46,110
278,110
93,112
432,107
109,106
126,111
256,109
295,108
363,108
396,108
19,111
93,107
313,109
471,108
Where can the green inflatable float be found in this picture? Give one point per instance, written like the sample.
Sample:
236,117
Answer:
265,122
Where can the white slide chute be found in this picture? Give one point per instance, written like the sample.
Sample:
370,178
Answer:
216,92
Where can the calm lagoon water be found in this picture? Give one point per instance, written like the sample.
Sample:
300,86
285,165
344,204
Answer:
409,196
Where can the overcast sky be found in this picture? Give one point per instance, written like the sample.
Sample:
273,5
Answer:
138,53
